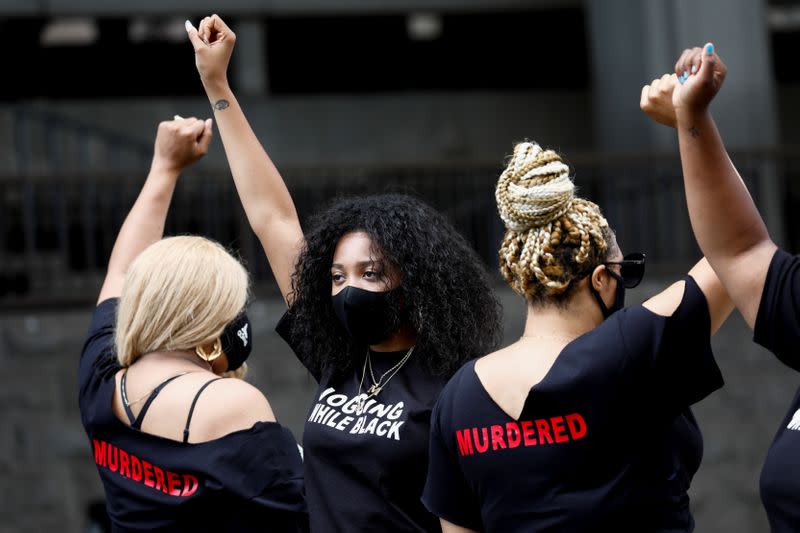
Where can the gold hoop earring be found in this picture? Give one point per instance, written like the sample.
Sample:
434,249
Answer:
209,357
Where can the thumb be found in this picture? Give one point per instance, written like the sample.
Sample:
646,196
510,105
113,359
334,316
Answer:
205,139
197,42
708,65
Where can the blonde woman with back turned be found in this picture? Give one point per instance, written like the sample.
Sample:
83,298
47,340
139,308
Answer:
583,424
177,446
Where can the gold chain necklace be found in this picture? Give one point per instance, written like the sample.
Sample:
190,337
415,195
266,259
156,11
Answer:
378,385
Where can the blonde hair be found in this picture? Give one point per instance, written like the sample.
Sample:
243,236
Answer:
552,238
180,292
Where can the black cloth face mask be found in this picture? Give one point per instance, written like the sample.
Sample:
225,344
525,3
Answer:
367,316
237,341
619,298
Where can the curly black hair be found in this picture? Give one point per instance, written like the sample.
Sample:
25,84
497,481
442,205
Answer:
445,291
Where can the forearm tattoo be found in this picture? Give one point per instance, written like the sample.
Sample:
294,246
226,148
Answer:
221,104
694,132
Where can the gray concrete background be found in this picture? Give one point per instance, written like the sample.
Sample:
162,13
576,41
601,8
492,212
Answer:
47,477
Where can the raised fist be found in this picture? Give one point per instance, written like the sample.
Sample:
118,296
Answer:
213,43
181,142
656,99
701,73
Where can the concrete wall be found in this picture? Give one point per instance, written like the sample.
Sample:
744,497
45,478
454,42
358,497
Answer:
362,129
47,477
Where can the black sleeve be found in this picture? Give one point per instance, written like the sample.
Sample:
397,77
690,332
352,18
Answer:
673,352
447,493
99,344
777,325
263,472
288,330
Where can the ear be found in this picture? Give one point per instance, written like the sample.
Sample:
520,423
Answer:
599,278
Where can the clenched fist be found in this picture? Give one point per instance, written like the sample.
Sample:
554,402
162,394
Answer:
213,43
702,73
656,99
181,142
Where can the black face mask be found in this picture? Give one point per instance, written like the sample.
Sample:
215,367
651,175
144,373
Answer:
237,341
366,315
619,298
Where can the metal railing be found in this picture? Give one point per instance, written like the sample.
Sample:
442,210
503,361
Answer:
51,143
57,230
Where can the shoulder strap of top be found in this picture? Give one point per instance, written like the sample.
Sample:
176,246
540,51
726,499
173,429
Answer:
124,395
191,409
137,422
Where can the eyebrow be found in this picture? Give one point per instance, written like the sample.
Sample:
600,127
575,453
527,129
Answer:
359,264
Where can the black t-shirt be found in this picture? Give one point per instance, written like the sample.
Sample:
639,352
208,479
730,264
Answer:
366,472
605,441
777,329
249,480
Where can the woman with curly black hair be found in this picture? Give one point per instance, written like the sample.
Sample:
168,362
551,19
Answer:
386,301
441,300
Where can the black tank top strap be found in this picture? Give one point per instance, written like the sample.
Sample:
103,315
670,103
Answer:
136,423
191,409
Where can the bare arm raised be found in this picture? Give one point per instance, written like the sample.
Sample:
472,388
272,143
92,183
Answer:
261,189
656,101
179,143
725,220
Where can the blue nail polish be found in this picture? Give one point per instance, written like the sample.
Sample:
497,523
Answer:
680,79
694,69
709,49
685,74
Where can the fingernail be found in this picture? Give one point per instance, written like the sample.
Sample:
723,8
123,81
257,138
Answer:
685,74
681,79
188,26
694,69
709,49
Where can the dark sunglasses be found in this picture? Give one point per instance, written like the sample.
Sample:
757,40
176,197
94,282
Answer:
631,269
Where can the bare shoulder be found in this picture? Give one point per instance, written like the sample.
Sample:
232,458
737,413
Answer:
229,405
495,359
243,400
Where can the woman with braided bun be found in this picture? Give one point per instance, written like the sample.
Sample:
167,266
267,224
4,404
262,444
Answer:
583,424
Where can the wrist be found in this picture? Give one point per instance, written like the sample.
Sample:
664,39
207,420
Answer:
216,87
686,116
164,169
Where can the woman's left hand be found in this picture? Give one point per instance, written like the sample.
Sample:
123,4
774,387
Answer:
656,100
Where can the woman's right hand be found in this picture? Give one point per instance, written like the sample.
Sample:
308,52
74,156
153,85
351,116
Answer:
213,43
180,142
701,73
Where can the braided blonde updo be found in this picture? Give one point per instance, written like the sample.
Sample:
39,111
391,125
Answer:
552,238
